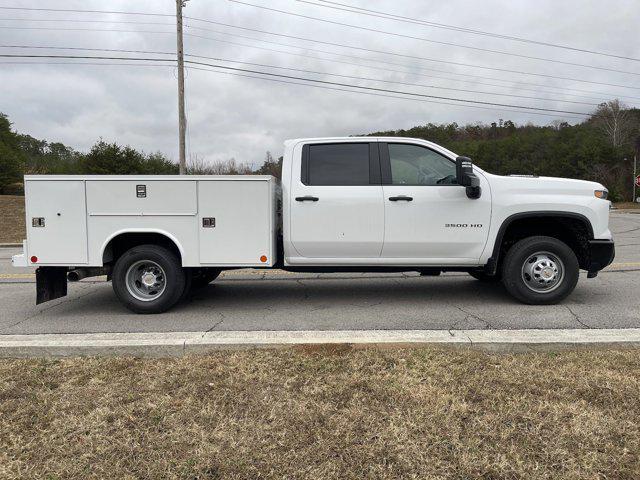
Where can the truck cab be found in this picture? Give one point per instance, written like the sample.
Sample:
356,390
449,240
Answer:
348,203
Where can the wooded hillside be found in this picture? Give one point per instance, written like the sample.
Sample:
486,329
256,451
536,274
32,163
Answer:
601,148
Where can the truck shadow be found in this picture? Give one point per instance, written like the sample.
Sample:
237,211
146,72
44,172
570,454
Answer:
325,303
347,291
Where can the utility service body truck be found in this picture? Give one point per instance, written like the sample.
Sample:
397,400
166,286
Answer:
345,204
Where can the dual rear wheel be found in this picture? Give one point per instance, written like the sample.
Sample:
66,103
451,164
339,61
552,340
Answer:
151,279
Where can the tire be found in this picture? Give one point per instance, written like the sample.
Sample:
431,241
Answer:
148,279
540,270
484,278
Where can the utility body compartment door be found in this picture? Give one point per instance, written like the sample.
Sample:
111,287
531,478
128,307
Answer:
141,197
60,237
236,222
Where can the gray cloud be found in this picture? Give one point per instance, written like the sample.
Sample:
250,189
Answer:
231,116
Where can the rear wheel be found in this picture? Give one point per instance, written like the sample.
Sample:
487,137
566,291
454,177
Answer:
148,279
540,270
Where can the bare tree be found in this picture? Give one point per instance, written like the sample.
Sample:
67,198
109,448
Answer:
197,166
614,120
559,124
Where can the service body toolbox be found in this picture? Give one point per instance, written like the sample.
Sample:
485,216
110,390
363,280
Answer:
215,221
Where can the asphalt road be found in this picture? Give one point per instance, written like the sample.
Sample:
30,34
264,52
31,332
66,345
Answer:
252,300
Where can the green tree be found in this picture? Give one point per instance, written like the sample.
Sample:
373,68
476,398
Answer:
12,159
112,159
271,166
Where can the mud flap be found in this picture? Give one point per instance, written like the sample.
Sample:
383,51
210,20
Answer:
51,283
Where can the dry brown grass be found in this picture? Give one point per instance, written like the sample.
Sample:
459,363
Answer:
627,205
12,229
412,413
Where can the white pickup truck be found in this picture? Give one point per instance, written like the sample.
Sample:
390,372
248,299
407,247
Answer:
346,204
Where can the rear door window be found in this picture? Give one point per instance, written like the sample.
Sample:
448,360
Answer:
336,164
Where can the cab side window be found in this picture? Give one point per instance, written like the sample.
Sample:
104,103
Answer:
336,164
416,165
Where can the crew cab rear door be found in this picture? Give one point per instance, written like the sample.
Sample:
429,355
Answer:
336,204
428,216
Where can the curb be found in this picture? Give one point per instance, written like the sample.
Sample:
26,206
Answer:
184,343
10,245
626,210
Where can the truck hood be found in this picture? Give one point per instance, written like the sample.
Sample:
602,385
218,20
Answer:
549,185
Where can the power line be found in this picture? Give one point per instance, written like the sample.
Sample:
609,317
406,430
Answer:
390,91
334,53
299,83
519,72
88,49
291,77
129,64
391,16
72,10
423,39
62,29
382,95
357,27
353,77
563,89
83,20
433,60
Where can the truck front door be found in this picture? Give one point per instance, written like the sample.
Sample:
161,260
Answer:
427,215
336,203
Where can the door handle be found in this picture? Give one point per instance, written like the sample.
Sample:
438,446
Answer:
401,198
308,198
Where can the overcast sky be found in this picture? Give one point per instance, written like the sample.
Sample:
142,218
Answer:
232,116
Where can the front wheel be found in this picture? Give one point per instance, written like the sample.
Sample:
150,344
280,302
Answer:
148,279
540,270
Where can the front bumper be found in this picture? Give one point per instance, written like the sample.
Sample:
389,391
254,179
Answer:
602,253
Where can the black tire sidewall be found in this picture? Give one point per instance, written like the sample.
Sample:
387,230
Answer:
516,256
174,273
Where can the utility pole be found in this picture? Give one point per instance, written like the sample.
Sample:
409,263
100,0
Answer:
182,120
635,176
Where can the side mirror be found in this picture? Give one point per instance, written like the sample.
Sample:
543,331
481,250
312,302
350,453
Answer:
466,177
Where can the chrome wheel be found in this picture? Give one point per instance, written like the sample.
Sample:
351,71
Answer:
542,272
146,280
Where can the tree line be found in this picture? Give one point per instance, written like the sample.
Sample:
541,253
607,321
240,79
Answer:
601,148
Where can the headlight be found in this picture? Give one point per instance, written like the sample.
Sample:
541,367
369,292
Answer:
603,194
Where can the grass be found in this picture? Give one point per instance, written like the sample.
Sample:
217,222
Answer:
324,413
12,219
627,205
